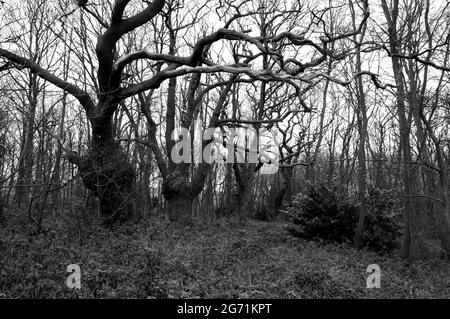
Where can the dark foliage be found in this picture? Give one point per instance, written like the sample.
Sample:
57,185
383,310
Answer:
228,259
322,213
382,224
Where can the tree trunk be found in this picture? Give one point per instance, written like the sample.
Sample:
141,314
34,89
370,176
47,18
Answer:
443,214
107,172
362,132
27,160
411,240
179,195
180,209
244,174
244,206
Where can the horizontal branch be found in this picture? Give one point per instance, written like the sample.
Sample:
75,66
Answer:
198,52
346,82
82,96
127,59
173,71
420,60
225,121
294,164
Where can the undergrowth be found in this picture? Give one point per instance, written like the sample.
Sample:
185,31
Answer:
227,259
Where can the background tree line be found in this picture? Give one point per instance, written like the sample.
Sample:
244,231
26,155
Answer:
91,92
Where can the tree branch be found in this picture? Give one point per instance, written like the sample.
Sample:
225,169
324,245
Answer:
82,96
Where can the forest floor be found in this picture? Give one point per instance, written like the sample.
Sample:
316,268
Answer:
226,259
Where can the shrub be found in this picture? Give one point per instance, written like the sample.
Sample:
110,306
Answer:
322,213
382,223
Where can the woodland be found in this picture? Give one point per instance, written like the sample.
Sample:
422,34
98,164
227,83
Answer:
224,148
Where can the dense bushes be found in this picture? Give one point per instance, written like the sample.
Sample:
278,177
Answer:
382,224
325,214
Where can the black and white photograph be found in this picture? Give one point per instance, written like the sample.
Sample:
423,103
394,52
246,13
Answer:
230,151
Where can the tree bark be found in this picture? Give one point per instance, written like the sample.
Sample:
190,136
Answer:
411,240
27,160
106,171
179,196
362,130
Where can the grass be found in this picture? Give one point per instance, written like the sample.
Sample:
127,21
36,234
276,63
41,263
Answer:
227,259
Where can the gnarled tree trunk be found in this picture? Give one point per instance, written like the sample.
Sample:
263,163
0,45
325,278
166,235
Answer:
107,172
179,196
